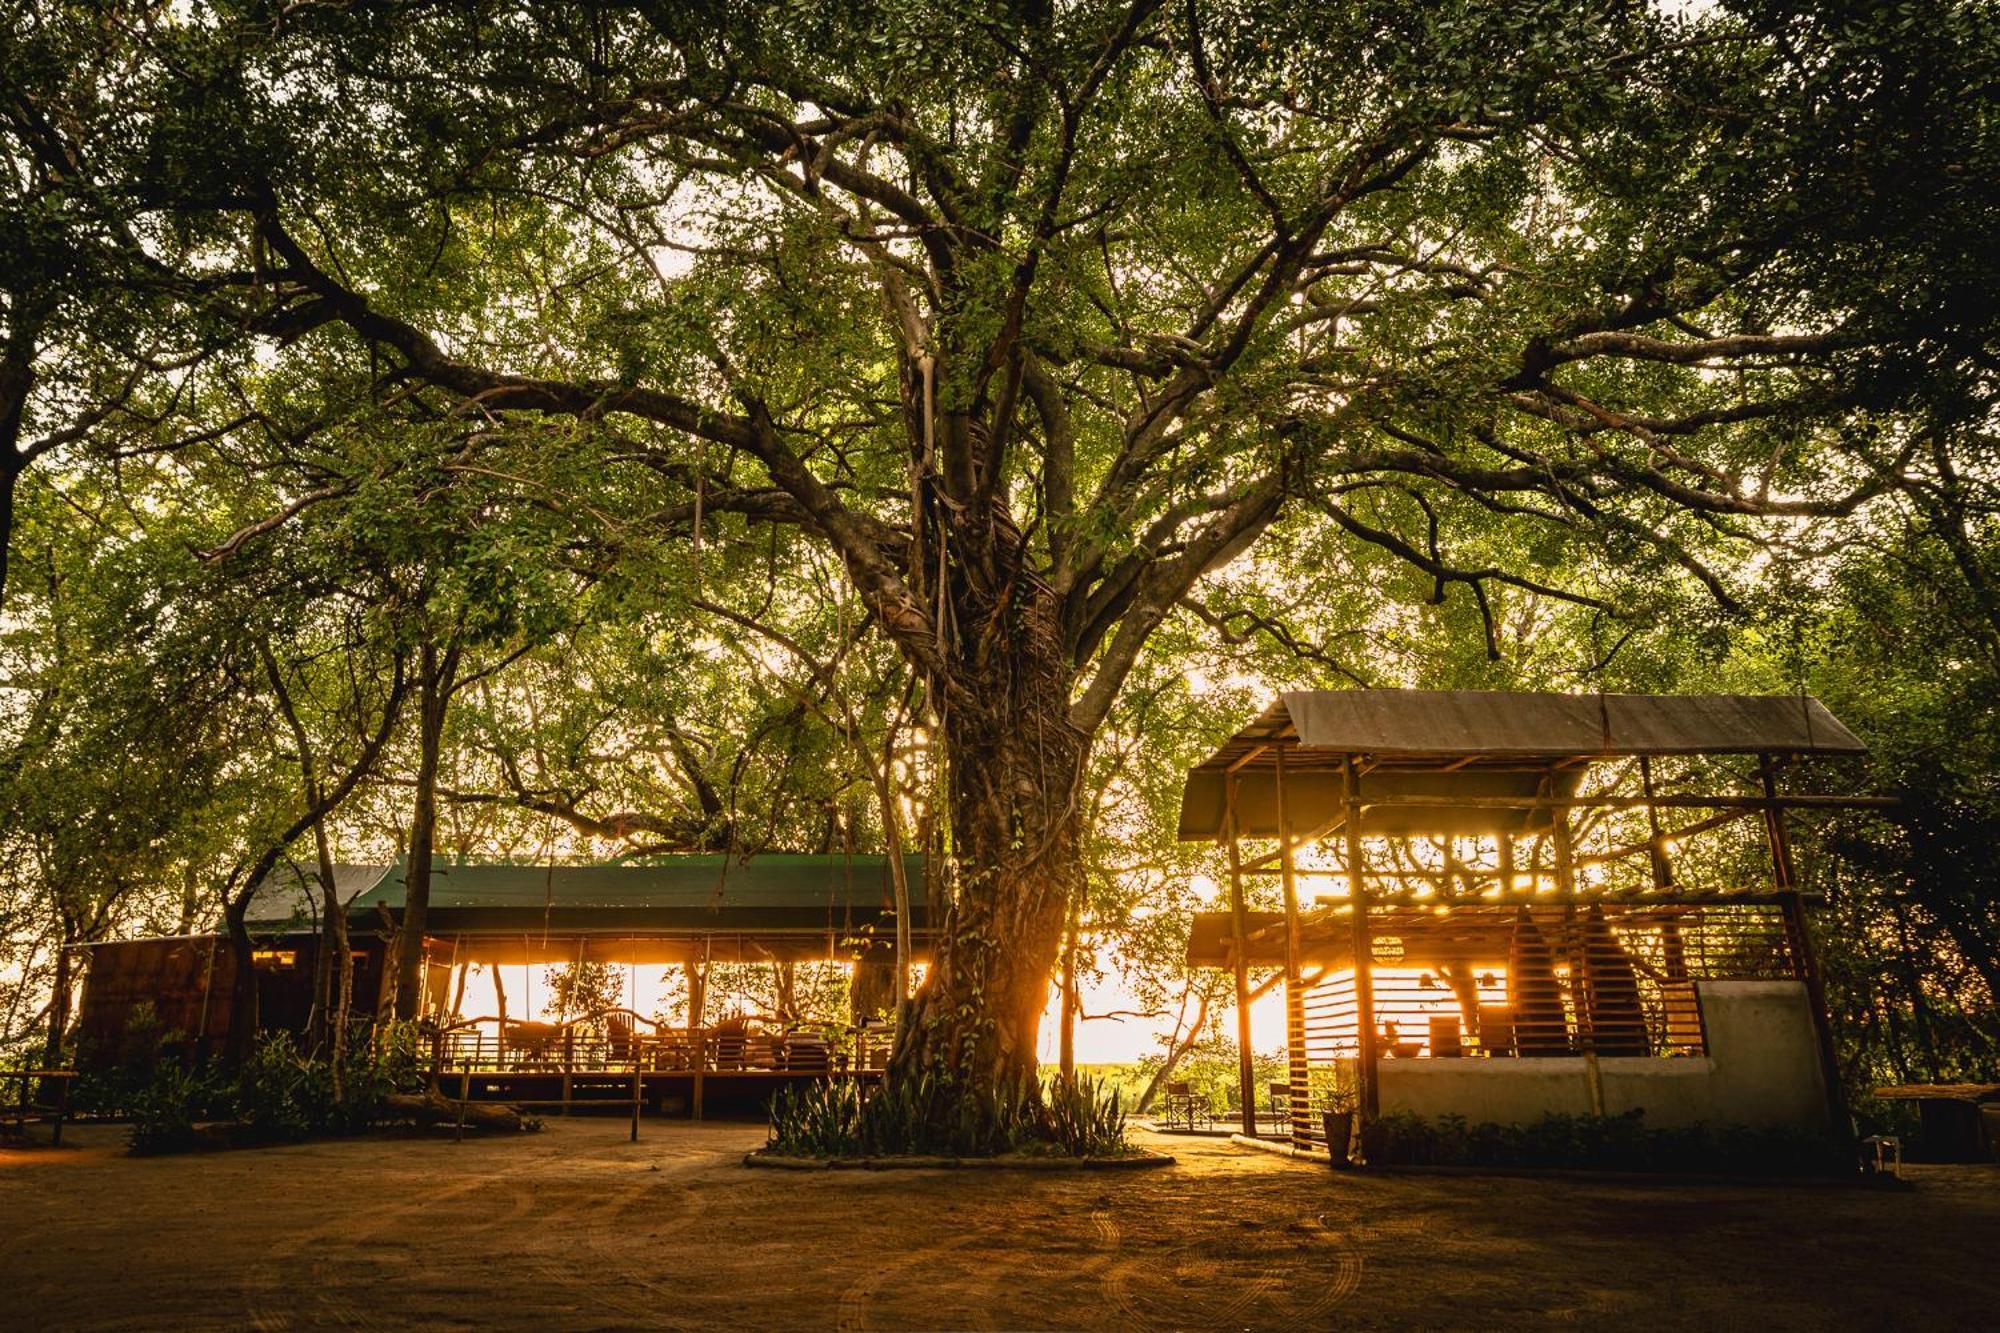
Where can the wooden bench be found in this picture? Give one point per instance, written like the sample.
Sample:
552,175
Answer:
28,1110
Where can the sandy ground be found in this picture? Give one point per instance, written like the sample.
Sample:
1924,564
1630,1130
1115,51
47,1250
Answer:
577,1228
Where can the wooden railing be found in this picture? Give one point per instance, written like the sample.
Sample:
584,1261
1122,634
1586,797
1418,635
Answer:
620,1040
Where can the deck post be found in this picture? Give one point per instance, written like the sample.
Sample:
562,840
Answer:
1581,999
1369,1099
569,1052
1799,938
638,1084
697,1010
1299,1077
1246,1067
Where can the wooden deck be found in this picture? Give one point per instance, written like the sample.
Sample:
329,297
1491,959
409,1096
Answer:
588,1063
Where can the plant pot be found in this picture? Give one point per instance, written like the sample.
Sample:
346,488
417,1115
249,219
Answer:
1339,1127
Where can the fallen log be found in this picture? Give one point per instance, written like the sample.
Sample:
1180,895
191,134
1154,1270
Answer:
429,1108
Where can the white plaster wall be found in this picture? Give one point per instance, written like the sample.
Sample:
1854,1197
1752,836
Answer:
1762,1069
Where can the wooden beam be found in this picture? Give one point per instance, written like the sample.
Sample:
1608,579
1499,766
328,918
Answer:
1246,1069
1370,1099
1298,1080
1630,802
1246,758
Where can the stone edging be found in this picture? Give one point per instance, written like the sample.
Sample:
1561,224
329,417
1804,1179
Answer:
1141,1159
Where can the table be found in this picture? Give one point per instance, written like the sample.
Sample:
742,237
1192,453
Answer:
1950,1113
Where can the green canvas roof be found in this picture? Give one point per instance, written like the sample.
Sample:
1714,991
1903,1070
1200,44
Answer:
685,894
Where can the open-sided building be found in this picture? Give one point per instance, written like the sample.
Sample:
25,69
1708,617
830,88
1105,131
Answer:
1559,903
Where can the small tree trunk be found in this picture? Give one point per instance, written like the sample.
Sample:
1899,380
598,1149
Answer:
697,988
338,957
785,991
872,992
243,1018
434,687
1176,1052
59,1003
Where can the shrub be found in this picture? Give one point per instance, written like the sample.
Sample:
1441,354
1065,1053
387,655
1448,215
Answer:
1611,1143
280,1095
1080,1120
840,1118
165,1110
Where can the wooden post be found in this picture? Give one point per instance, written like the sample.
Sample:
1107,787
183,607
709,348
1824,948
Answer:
1799,939
1579,973
569,1063
638,1082
464,1096
1239,931
1369,1101
697,1045
1298,1076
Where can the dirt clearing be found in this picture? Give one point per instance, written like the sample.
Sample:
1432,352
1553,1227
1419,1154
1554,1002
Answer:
577,1228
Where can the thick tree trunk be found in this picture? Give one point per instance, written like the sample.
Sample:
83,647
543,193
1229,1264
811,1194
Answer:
435,687
1014,764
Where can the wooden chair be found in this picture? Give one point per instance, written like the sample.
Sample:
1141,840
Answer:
807,1052
618,1040
1281,1101
1185,1109
732,1038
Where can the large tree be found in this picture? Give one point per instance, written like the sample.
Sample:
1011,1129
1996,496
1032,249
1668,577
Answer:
1034,317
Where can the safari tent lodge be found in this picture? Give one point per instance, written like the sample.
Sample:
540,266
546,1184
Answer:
686,912
1501,905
